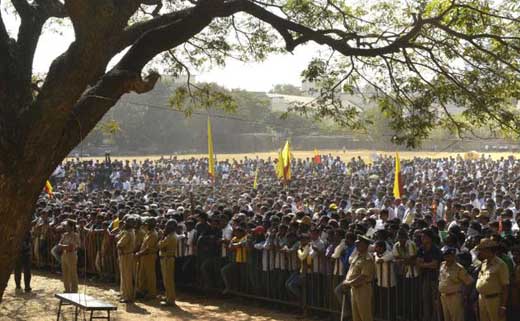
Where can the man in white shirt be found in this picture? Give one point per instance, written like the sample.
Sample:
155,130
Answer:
386,280
409,213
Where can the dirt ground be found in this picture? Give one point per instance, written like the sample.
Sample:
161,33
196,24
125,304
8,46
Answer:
40,305
364,154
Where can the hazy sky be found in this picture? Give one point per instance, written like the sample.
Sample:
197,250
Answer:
277,69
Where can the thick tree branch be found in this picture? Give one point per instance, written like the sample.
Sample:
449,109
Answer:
168,36
110,16
33,17
24,9
133,32
95,102
87,57
28,36
52,8
285,27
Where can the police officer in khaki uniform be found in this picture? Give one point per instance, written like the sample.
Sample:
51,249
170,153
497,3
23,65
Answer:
125,250
492,283
139,237
147,256
68,245
168,252
452,276
359,279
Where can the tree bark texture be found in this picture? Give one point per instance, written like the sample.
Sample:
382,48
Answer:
17,202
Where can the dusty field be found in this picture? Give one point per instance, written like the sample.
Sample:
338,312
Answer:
364,154
42,306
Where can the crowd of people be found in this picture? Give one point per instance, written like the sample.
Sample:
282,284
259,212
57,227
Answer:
447,248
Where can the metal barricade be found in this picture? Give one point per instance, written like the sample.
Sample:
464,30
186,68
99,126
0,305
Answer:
265,275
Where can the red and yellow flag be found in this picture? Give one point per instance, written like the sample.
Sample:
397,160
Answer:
398,180
49,189
317,158
211,156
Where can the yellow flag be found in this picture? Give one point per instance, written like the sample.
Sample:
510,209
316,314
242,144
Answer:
255,183
211,156
49,189
279,166
398,181
286,157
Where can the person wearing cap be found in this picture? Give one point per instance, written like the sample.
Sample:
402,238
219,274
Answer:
492,283
359,280
69,245
125,252
167,252
452,276
147,256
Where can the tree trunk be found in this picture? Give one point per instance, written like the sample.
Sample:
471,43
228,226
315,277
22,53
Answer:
17,202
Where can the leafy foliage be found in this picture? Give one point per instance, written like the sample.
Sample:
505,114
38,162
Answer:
416,59
202,96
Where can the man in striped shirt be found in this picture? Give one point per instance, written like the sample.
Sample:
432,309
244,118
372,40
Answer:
238,247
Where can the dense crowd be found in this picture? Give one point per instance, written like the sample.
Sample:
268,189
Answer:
335,225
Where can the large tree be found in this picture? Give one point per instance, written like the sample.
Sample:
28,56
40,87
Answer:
418,56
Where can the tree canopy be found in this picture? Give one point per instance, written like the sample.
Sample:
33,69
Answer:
418,57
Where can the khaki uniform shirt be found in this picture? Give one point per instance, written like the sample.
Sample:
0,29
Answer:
362,265
168,246
493,275
43,230
126,242
149,245
451,278
70,238
139,237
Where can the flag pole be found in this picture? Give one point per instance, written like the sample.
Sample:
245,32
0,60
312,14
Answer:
211,156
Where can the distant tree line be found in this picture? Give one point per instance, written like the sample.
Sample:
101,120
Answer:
149,124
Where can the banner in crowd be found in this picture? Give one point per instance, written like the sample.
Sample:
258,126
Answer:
398,180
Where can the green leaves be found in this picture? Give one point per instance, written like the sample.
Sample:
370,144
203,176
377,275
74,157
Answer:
109,128
425,64
202,96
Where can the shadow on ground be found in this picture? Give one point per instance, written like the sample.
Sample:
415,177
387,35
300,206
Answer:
40,305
